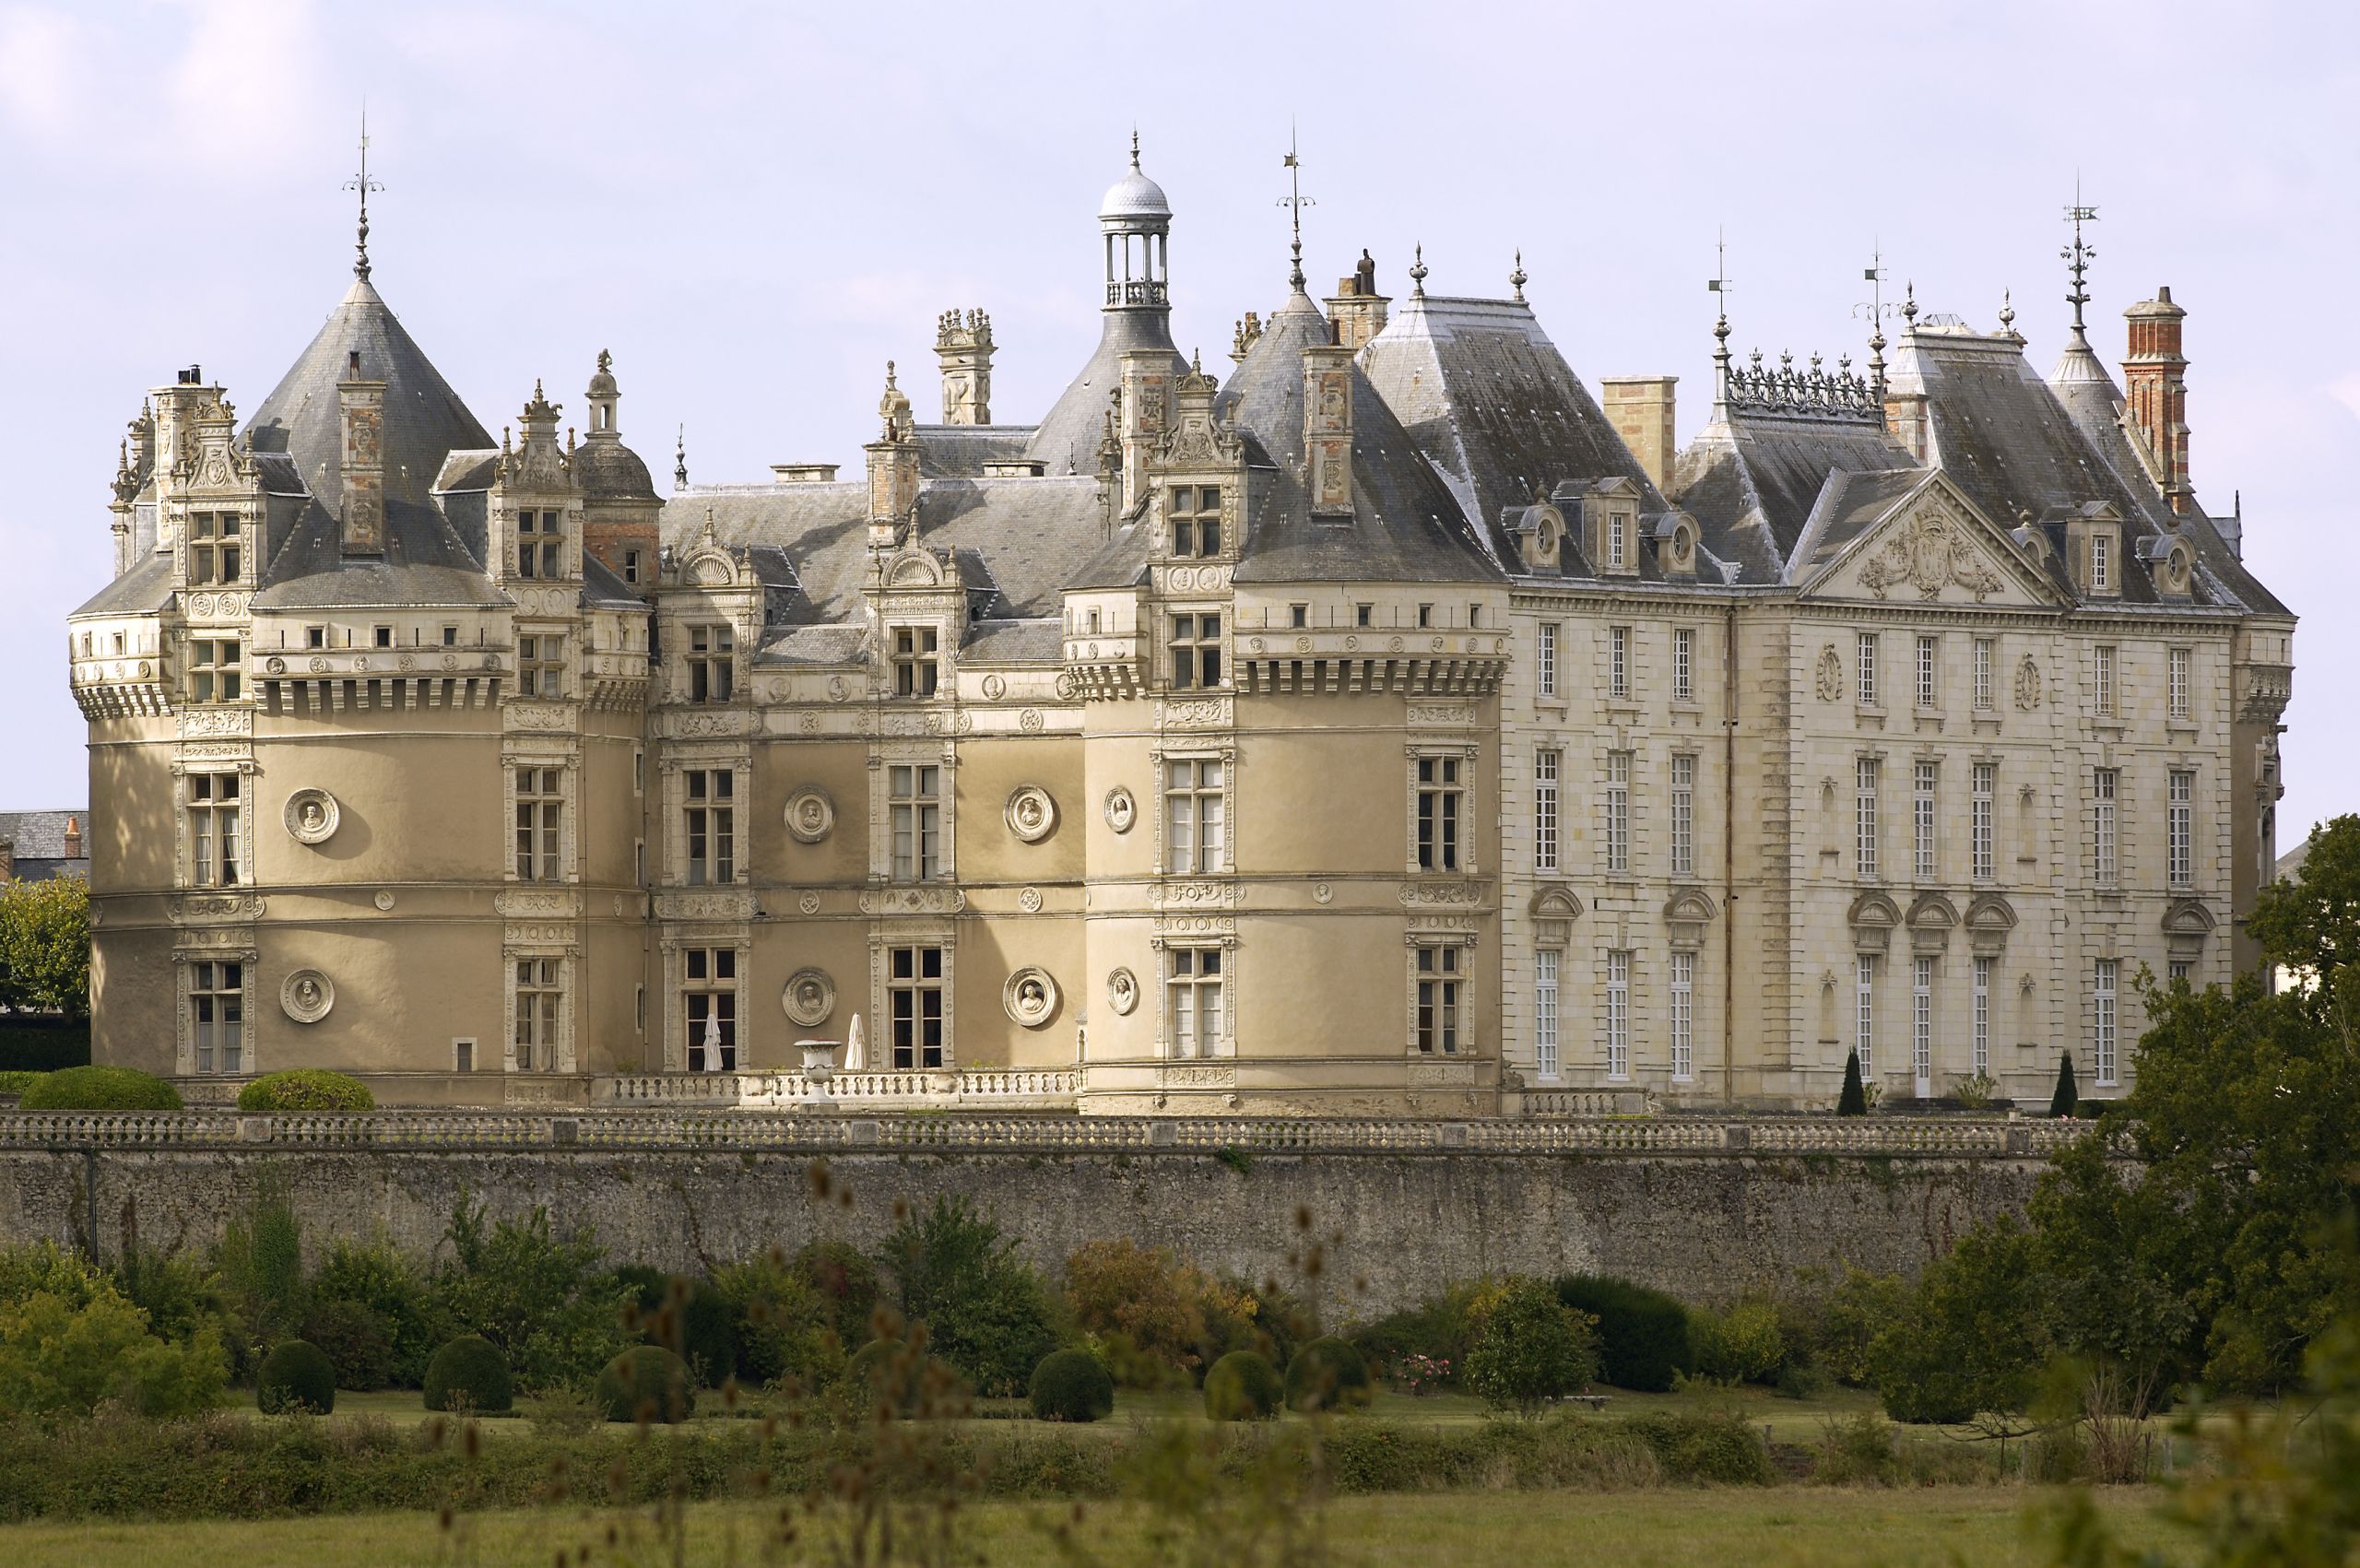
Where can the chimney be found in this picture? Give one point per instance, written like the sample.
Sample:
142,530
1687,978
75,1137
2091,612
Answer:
1357,310
8,860
2155,384
1640,409
1327,428
963,344
1905,417
892,471
362,404
73,838
1146,413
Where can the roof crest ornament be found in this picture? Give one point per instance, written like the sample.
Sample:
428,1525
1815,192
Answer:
680,460
1297,201
362,184
1516,279
1135,150
1876,310
1418,273
1909,303
2076,257
2008,315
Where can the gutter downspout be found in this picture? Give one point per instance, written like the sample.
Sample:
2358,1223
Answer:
1729,857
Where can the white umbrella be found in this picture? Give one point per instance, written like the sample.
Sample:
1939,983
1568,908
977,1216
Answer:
713,1044
856,1056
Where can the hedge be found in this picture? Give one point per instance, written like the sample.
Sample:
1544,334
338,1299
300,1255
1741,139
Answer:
296,1376
1643,1334
44,1045
306,1092
645,1378
470,1371
1328,1375
101,1089
1243,1386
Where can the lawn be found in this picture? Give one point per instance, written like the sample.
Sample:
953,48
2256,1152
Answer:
1822,1528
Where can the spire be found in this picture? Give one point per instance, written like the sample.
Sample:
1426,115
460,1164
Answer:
1516,279
1297,201
1418,274
2076,257
680,460
364,184
1720,284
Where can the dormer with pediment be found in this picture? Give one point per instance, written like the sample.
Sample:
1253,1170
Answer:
709,618
534,522
1609,525
1908,536
917,604
1674,536
1539,533
209,502
1195,475
2171,566
2093,550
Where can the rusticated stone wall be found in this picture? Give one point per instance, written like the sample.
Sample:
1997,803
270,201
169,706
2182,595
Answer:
1704,1226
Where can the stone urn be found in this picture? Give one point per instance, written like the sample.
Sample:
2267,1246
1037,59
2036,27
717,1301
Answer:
819,1065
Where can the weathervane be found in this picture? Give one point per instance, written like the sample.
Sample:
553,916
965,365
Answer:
1297,201
1876,310
362,184
2076,257
1720,283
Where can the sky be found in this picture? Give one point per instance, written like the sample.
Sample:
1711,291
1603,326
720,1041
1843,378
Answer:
756,206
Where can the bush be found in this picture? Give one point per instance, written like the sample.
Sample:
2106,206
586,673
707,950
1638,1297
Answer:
45,946
1742,1345
261,1263
984,1308
1853,1101
1144,1304
380,1282
1970,1340
63,1350
1848,1315
1643,1334
469,1373
1328,1375
1243,1386
44,1044
12,1082
1718,1446
306,1090
781,1326
691,1318
1069,1385
296,1376
2062,1099
1532,1348
540,1297
896,1377
845,1282
1857,1451
101,1089
646,1382
177,1292
358,1342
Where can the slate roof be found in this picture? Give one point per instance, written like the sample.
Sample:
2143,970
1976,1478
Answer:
1066,439
607,470
960,451
39,841
1751,477
143,590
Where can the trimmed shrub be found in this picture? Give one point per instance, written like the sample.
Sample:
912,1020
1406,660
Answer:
1243,1387
1533,1349
101,1089
1854,1100
15,1082
1069,1385
645,1381
2066,1095
1719,1447
898,1377
470,1371
296,1376
306,1090
1643,1334
1328,1375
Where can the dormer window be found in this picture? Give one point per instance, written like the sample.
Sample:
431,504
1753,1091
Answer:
1363,614
914,661
713,673
314,637
1425,616
540,545
631,566
213,546
2101,562
1618,541
1196,521
381,636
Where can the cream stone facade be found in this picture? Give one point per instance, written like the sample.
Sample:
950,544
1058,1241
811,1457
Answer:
1375,731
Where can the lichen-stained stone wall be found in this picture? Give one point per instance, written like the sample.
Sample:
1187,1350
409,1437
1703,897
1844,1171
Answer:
1397,1227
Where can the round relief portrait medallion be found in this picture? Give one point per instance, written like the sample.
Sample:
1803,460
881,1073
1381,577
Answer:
809,997
1030,997
809,814
1121,809
312,816
1123,991
307,996
1031,814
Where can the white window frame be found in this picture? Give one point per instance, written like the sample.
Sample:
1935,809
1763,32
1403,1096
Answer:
1195,979
1548,766
1440,811
2101,561
1864,1013
1865,651
1195,813
1867,776
2105,866
1440,997
211,860
917,659
1194,645
542,976
1544,659
729,988
1925,820
916,844
540,664
1547,964
1617,807
1618,1014
1930,672
202,982
1683,1015
2104,679
1618,662
1684,814
1684,663
721,863
1986,657
216,668
1983,821
2180,811
539,818
2179,662
2105,989
710,665
1921,1023
1984,965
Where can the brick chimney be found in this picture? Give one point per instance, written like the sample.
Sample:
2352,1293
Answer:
362,404
73,838
1357,310
963,344
2154,380
1640,408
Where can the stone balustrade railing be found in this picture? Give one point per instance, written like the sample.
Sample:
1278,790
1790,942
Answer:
1014,1088
826,1131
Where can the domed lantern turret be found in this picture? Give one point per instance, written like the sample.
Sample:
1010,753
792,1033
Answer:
1137,223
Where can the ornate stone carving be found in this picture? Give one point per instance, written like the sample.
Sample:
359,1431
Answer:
1443,894
383,899
217,721
1321,892
526,902
1452,714
721,721
1195,895
307,996
838,689
1029,901
1030,720
925,898
1032,814
808,903
1831,674
994,686
1030,997
707,906
1441,1075
1197,1075
312,816
1195,712
2028,685
1122,992
960,723
1121,809
809,997
1929,554
540,716
810,815
215,906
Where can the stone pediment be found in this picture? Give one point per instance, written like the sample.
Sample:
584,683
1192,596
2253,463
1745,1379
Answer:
1931,545
2188,917
1691,906
1873,917
1555,901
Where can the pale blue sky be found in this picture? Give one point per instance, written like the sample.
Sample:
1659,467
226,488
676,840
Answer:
755,206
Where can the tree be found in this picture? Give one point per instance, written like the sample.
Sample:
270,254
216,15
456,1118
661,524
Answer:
1854,1101
45,946
984,1308
2067,1094
1970,1340
1531,1348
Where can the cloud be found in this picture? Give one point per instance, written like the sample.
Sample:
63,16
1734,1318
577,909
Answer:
2347,391
41,59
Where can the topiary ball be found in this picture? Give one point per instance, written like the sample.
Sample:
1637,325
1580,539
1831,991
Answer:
1243,1386
306,1092
99,1088
895,1375
1328,1375
1069,1385
645,1380
469,1372
296,1376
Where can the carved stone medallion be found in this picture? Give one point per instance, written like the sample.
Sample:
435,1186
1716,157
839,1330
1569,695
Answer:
1030,997
810,814
1122,992
1831,674
1032,814
1121,809
307,996
312,816
809,997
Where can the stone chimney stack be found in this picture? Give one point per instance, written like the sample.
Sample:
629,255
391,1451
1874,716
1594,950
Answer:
963,344
1640,409
363,402
2155,381
1357,310
892,471
1327,428
73,838
8,860
1146,415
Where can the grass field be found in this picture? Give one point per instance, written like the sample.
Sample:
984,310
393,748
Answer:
1783,1528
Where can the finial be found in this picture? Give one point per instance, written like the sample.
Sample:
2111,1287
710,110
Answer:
2007,312
1720,285
2076,257
680,460
1909,303
1877,310
362,184
605,361
1135,150
537,391
1418,273
1516,278
889,375
1197,361
1297,201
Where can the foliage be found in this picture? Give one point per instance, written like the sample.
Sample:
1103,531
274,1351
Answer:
1266,1319
692,1318
894,1377
845,1281
358,1342
780,1323
99,1088
2067,1095
470,1373
1853,1101
1420,1375
376,1288
1243,1386
45,946
1069,1385
1328,1375
1846,1314
44,1267
1721,1446
14,1082
1742,1345
41,1044
1144,1305
260,1260
306,1090
540,1297
1643,1333
177,1291
296,1376
1532,1348
64,1351
647,1383
986,1310
1970,1338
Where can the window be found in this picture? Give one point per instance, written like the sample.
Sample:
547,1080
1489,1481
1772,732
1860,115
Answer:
1544,659
2180,696
217,1016
1194,827
2101,563
1618,535
1545,966
916,668
1864,1014
1090,628
462,1056
381,636
712,663
1192,995
2182,817
2103,787
1683,996
540,664
213,830
1474,615
1195,651
914,1001
2103,667
1929,671
1618,661
2109,971
1683,815
1925,828
1364,615
1298,616
314,637
1438,1000
1868,647
1921,1021
712,814
1545,767
540,808
538,1000
1864,816
1425,616
914,799
631,566
538,545
1196,520
450,636
213,546
1986,784
1618,1014
213,669
1984,658
1618,813
2181,970
1683,665
1438,803
1983,1016
709,1002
